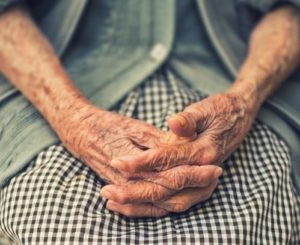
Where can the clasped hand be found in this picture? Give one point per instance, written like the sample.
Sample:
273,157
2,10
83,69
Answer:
150,172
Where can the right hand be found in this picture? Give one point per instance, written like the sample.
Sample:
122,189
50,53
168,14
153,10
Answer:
96,137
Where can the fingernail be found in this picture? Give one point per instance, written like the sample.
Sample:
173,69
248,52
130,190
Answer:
182,120
105,193
116,163
218,172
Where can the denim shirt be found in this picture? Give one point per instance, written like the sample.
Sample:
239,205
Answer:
203,42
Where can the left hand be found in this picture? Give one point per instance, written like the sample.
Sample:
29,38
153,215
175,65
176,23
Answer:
218,123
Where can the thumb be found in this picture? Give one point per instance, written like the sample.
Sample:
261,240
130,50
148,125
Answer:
186,123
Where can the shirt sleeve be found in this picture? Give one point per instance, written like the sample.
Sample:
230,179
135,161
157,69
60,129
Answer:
4,4
264,6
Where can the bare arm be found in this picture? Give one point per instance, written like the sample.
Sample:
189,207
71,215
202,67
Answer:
29,62
91,134
274,52
223,120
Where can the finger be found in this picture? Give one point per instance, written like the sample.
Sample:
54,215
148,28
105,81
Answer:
156,159
161,186
185,176
187,123
136,192
147,136
136,210
187,198
103,170
199,152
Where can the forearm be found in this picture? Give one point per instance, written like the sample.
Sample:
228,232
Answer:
274,52
29,62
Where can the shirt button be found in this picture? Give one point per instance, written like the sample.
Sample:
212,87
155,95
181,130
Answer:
158,52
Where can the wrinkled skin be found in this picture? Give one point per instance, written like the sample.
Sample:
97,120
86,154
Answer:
217,126
29,62
219,123
96,137
214,126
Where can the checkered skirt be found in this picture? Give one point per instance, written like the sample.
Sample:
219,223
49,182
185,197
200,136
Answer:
56,199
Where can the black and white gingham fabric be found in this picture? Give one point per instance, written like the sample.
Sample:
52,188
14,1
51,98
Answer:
56,201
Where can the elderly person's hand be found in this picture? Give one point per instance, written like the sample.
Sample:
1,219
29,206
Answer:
89,133
155,194
96,137
219,123
217,126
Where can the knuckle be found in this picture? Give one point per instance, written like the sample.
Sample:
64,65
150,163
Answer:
178,183
177,180
210,154
126,177
195,154
187,176
143,136
183,154
195,177
154,194
164,158
171,156
159,156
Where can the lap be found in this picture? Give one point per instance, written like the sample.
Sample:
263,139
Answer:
56,199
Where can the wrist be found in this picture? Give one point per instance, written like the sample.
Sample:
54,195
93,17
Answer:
71,112
249,93
72,123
